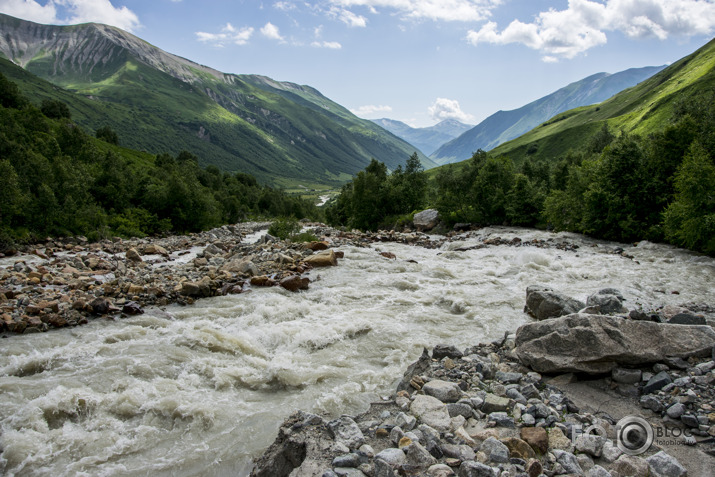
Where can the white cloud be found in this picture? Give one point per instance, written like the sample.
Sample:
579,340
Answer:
78,11
271,31
285,6
349,18
229,34
444,10
583,25
444,108
333,45
370,109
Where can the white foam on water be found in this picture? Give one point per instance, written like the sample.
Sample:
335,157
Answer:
200,390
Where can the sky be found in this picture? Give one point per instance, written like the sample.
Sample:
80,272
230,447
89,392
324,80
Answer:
417,61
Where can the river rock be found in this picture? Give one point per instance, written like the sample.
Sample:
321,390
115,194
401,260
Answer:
606,301
346,431
519,448
317,246
475,469
431,411
294,283
240,265
426,220
322,259
133,255
597,343
419,367
445,391
494,403
659,381
536,437
543,303
495,450
446,351
687,319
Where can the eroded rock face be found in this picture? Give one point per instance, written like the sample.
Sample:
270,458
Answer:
597,344
543,303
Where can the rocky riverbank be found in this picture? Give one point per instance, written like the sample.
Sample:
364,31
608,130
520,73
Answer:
482,412
67,282
644,379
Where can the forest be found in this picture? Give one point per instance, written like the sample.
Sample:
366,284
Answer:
619,187
57,179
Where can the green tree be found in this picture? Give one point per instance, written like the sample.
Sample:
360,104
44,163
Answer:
55,109
690,220
107,134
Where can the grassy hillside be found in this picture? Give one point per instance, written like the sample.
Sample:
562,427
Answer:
282,133
642,109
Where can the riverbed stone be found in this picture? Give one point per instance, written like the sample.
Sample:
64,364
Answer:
536,437
494,403
495,450
431,411
597,344
322,259
446,351
346,431
543,303
445,391
657,382
426,220
630,465
626,376
476,469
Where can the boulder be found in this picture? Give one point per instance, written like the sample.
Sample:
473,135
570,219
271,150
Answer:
606,302
426,220
240,265
154,249
133,255
445,391
294,283
543,303
317,246
431,411
446,351
346,431
597,344
322,259
419,367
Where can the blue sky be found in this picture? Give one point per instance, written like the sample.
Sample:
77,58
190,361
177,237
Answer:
418,61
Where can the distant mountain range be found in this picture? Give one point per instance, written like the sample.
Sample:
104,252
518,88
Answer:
280,132
427,139
642,109
503,126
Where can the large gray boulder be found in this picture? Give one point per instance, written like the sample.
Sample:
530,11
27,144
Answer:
426,220
597,343
543,303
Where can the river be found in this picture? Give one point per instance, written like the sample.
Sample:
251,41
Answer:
200,390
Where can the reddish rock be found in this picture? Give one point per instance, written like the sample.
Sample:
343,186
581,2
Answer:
317,246
536,437
57,321
294,283
389,255
133,255
263,281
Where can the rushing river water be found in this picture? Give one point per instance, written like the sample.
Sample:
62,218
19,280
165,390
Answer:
200,390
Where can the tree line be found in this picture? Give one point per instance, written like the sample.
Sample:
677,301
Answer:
620,187
58,180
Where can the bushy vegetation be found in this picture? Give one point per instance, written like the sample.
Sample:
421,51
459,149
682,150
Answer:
375,199
617,186
55,179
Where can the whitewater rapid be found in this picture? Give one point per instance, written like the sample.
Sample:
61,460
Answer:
202,389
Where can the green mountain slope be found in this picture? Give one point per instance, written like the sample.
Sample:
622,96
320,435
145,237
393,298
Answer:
427,139
503,126
642,109
280,132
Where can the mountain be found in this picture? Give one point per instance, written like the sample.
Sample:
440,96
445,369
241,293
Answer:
427,139
643,109
503,126
280,132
